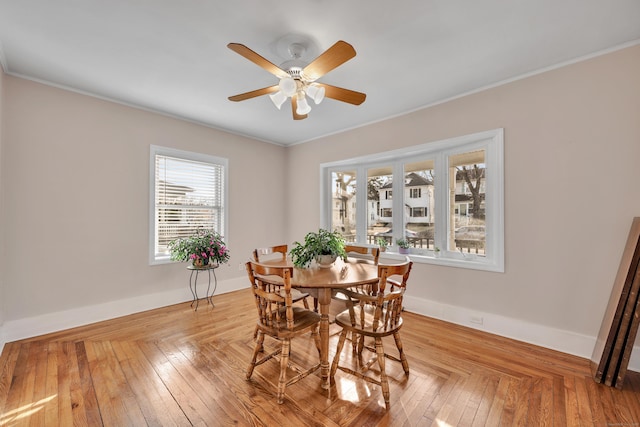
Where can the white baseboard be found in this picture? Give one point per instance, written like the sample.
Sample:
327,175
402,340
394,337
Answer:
557,339
544,336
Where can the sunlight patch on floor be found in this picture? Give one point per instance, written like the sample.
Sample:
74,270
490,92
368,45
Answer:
350,391
24,411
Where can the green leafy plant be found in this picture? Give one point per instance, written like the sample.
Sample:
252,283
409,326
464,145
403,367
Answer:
205,245
436,249
403,243
321,243
382,242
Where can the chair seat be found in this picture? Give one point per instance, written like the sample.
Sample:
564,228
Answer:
303,319
344,320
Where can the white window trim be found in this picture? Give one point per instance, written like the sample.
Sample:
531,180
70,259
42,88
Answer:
187,155
493,143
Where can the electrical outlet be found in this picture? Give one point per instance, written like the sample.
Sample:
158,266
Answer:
477,320
240,267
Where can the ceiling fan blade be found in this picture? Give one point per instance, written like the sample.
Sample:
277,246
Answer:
344,95
294,107
257,59
331,58
254,93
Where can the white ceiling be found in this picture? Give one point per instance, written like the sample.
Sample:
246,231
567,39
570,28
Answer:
171,56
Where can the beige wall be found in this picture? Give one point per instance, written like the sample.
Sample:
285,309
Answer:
74,187
572,146
76,192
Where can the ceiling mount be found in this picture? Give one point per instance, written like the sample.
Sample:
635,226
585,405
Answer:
296,50
298,79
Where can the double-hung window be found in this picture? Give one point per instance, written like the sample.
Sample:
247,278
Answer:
188,193
448,200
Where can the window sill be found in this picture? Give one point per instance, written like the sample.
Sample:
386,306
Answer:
453,259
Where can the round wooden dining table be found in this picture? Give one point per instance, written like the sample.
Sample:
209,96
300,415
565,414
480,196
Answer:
319,282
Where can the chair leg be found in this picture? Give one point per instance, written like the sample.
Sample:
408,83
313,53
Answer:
354,342
403,357
360,344
255,335
336,358
256,350
316,337
306,304
384,381
284,364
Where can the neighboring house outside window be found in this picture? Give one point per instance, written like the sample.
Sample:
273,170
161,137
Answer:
452,198
188,193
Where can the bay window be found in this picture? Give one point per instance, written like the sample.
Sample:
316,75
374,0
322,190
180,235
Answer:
449,195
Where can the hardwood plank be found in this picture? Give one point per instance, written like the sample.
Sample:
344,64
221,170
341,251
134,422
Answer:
50,387
475,399
8,361
431,413
495,412
559,402
584,408
116,400
65,405
540,411
85,392
597,413
521,404
153,397
482,415
15,404
168,366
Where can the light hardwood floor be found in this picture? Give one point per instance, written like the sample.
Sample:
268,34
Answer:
174,366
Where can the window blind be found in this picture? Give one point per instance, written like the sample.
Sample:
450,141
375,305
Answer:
189,195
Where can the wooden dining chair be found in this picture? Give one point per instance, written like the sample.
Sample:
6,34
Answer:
366,252
279,253
279,319
376,312
371,253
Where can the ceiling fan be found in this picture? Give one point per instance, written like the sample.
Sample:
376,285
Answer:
298,81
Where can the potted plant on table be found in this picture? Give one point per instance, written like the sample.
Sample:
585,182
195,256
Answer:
324,247
403,246
203,247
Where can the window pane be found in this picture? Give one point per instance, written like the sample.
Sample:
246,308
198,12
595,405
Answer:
188,196
467,187
419,203
379,204
343,218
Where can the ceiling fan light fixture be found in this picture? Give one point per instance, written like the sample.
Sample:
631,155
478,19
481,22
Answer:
278,99
288,86
315,92
303,106
297,77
